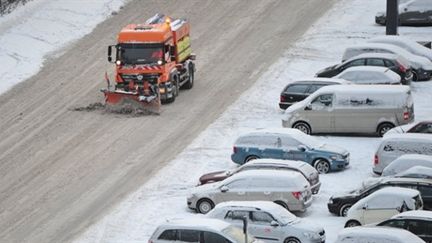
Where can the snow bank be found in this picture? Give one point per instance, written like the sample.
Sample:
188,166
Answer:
30,33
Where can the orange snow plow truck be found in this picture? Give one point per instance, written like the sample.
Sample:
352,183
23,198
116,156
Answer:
153,61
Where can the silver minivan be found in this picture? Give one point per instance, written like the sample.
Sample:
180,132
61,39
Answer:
287,188
352,109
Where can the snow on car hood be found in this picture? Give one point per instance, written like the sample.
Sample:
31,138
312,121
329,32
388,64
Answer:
205,188
332,149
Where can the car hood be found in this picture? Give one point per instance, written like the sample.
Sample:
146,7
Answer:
332,149
327,69
342,195
307,225
205,188
400,129
213,176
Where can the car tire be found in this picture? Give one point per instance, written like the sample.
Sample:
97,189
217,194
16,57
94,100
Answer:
322,166
204,206
189,84
284,205
303,127
383,128
291,240
344,210
251,157
352,223
415,77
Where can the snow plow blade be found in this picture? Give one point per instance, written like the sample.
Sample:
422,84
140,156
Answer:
128,102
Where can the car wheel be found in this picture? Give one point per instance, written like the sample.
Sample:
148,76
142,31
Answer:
352,223
303,126
322,166
204,206
251,157
414,78
344,210
282,204
383,128
292,240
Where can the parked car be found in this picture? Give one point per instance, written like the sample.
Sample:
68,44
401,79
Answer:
405,43
286,188
411,13
203,230
416,172
299,90
269,221
418,222
395,145
340,204
289,144
309,172
370,75
376,235
415,127
405,162
369,109
383,204
421,66
396,63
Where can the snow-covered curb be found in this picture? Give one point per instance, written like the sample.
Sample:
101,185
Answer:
41,27
349,22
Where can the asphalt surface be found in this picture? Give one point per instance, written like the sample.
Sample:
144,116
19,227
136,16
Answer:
61,170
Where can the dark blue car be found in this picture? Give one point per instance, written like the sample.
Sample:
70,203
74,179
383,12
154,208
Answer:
292,144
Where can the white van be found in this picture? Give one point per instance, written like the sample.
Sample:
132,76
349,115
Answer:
382,205
395,145
376,235
405,162
352,109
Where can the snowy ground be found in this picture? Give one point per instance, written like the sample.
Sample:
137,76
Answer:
164,196
42,27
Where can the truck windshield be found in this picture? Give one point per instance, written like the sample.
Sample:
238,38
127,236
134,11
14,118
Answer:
140,53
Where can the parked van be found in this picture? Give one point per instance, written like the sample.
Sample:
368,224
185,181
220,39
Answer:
395,145
376,235
382,205
287,188
405,162
352,109
203,230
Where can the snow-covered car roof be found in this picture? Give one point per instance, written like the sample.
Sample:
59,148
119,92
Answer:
405,162
405,128
294,133
389,197
362,89
418,170
316,79
295,179
276,210
374,55
405,43
376,235
414,214
201,222
370,75
408,136
281,162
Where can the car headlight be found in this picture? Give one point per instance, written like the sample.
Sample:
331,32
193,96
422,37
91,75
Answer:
312,235
336,157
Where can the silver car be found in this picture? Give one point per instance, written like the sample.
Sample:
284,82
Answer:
286,188
269,222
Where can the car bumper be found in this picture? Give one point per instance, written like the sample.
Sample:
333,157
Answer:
339,164
316,187
284,105
237,158
333,208
424,75
191,203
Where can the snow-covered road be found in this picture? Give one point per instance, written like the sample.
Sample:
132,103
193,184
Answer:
164,196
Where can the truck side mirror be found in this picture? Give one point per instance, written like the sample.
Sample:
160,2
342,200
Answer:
110,59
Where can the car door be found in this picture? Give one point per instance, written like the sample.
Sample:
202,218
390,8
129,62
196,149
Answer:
292,145
235,190
271,147
235,217
378,209
320,114
421,228
260,225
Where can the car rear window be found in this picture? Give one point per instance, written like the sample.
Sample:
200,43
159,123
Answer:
297,88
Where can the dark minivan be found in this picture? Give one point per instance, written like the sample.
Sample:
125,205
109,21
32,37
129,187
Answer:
339,205
299,90
394,62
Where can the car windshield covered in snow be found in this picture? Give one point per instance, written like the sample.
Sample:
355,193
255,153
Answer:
140,53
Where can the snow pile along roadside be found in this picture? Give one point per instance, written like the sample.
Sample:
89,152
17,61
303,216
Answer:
41,27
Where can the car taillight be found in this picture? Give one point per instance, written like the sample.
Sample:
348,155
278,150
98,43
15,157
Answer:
234,149
282,98
150,241
402,68
376,160
406,115
297,195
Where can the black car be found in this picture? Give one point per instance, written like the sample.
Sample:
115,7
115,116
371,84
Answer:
339,205
394,62
299,90
411,13
418,222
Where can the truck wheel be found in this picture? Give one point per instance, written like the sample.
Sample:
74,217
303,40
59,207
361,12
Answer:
303,126
175,90
383,128
189,84
322,166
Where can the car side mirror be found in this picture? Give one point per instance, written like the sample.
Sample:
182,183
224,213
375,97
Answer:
224,189
302,148
274,223
308,107
365,206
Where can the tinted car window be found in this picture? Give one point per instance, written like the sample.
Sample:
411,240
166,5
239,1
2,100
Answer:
168,235
425,191
422,128
420,228
389,63
315,87
297,88
237,215
189,235
358,62
323,100
210,237
375,62
262,217
394,223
